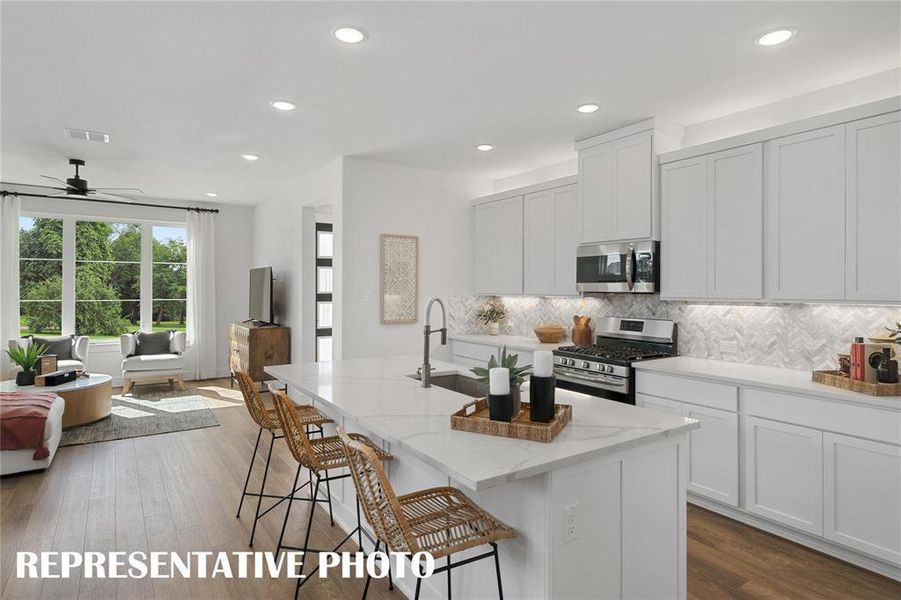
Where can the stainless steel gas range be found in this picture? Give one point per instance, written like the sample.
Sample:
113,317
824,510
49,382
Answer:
605,369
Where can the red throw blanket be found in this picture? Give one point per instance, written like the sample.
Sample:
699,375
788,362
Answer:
23,418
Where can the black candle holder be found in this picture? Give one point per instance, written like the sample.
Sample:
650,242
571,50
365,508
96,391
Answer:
500,407
541,397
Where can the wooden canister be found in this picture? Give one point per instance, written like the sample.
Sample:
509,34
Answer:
581,333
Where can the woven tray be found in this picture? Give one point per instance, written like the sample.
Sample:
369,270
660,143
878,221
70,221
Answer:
474,418
835,379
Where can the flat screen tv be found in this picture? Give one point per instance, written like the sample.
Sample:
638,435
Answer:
261,295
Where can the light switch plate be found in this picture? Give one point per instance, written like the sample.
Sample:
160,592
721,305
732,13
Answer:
367,296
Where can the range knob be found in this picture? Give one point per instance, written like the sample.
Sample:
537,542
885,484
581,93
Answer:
570,362
609,368
586,364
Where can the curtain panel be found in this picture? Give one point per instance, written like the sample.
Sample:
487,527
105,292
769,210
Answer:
201,331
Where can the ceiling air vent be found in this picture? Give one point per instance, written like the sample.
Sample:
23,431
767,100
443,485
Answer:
87,136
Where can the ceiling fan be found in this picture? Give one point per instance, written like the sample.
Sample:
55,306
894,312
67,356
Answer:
76,187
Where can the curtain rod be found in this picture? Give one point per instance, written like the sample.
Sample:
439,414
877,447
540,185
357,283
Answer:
124,202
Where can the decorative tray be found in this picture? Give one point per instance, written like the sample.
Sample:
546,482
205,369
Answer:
836,379
473,417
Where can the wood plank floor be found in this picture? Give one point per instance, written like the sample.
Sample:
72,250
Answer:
179,491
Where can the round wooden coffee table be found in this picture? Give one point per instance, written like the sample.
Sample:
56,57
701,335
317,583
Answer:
88,399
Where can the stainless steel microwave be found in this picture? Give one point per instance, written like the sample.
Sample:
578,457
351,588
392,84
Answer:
626,267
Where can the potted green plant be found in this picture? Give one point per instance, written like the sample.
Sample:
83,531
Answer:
491,314
517,377
26,357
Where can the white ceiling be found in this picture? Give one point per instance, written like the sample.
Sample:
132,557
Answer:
183,87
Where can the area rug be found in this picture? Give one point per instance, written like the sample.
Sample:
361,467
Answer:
149,410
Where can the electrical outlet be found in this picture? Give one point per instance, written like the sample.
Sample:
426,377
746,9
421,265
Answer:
729,347
367,296
570,523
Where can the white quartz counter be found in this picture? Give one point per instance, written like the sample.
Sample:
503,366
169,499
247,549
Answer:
775,378
377,395
512,342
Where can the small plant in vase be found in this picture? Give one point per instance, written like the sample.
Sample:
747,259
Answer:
517,378
491,314
26,358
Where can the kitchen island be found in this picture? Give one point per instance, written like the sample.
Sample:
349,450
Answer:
617,473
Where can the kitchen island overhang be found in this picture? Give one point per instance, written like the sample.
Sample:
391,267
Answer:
600,511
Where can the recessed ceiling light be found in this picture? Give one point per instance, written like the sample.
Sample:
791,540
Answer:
250,157
588,108
282,105
212,194
776,37
348,34
484,147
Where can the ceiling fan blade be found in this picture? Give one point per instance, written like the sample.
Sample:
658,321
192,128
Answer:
125,189
59,180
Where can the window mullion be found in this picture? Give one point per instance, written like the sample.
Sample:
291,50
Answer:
146,277
68,287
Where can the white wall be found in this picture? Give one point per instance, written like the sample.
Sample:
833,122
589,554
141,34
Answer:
283,238
381,198
233,253
554,171
845,95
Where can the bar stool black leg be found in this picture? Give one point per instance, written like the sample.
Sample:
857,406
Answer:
263,489
448,577
497,567
249,470
328,491
368,576
359,527
281,536
418,585
306,538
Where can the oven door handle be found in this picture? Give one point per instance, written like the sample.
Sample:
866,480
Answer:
605,380
630,260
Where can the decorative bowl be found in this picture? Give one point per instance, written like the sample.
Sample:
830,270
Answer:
550,334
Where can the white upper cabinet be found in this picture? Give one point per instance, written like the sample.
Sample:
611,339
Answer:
634,164
873,205
551,238
805,215
617,181
735,223
684,248
596,180
538,274
499,247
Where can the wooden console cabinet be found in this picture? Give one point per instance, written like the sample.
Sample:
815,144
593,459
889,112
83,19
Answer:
251,348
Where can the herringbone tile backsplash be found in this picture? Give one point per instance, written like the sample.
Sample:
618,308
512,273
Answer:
799,336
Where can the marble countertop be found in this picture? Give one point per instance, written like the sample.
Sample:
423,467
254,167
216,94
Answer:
760,376
512,342
377,395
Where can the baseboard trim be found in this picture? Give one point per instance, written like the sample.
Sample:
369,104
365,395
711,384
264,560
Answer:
816,543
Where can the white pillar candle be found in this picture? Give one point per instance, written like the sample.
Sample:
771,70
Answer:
544,364
499,381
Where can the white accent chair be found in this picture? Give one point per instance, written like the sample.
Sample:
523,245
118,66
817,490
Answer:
21,461
79,352
152,368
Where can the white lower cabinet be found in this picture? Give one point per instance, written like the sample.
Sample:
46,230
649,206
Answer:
713,454
712,449
862,479
784,473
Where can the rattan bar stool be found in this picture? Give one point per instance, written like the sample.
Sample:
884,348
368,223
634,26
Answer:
320,455
440,520
268,419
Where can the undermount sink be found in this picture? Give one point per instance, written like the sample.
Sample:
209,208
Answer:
458,383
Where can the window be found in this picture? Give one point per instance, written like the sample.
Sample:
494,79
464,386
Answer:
101,278
107,278
324,289
170,278
40,276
